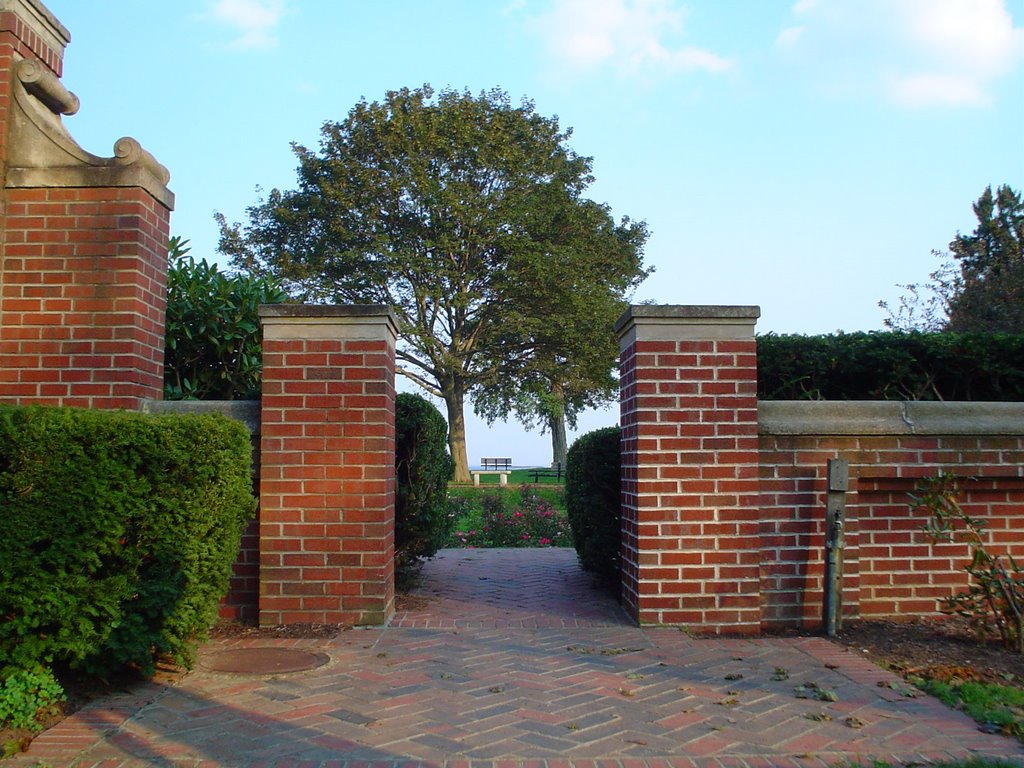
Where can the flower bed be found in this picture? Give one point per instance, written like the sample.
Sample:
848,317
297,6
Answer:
493,518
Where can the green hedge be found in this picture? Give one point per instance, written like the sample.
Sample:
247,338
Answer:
120,530
891,366
592,501
423,469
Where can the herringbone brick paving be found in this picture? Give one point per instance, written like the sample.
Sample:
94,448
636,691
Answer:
509,659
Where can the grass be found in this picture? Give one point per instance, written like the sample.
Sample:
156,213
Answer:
517,477
1000,707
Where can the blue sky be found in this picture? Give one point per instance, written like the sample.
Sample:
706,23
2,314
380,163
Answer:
803,156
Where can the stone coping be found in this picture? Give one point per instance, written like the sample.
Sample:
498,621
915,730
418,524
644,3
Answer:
245,411
687,313
818,417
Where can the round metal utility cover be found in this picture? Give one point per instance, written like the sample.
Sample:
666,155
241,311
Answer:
263,661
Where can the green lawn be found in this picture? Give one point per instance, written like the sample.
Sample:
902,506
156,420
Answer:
517,477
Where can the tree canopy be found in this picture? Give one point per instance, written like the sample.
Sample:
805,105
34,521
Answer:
572,352
990,292
982,288
465,214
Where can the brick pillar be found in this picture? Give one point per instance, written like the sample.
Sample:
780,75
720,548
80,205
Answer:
327,485
691,550
83,239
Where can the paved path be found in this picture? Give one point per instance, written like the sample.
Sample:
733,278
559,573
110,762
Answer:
508,659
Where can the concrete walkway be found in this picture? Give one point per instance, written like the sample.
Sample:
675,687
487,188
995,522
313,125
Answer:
508,658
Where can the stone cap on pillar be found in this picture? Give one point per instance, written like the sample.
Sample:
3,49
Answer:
328,321
41,153
679,322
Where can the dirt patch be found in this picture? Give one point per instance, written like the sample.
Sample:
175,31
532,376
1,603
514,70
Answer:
404,602
226,629
942,648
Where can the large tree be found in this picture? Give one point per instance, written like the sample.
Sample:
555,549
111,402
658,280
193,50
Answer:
982,288
455,211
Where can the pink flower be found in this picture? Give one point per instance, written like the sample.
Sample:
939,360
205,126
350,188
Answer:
544,541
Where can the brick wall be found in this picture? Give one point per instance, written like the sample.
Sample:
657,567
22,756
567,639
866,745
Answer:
891,567
723,499
84,295
327,490
83,240
690,467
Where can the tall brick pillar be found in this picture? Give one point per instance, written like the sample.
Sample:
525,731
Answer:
83,239
327,486
690,551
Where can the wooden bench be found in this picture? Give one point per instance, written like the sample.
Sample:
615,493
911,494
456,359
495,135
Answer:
493,466
491,463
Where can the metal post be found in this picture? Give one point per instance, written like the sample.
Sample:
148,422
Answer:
835,540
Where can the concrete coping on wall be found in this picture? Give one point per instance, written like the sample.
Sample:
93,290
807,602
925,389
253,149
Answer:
650,322
317,321
245,411
816,417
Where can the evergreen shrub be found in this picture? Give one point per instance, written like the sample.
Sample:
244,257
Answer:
120,532
423,469
592,501
891,366
213,340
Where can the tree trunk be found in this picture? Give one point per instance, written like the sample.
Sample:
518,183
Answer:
556,424
454,399
559,449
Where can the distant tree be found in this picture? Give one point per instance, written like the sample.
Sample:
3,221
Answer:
458,212
983,289
572,352
213,343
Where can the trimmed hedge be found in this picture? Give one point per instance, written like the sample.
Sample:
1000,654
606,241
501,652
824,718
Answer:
120,532
891,366
423,469
592,501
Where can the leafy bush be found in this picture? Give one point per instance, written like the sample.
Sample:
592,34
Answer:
891,366
423,469
995,599
120,532
27,696
213,340
534,522
592,500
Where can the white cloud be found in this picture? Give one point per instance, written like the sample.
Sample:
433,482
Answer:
918,53
630,37
789,36
931,90
253,21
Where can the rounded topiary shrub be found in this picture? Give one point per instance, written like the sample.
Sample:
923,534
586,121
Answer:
120,531
592,501
423,468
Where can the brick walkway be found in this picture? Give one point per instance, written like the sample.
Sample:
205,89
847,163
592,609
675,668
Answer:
508,659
